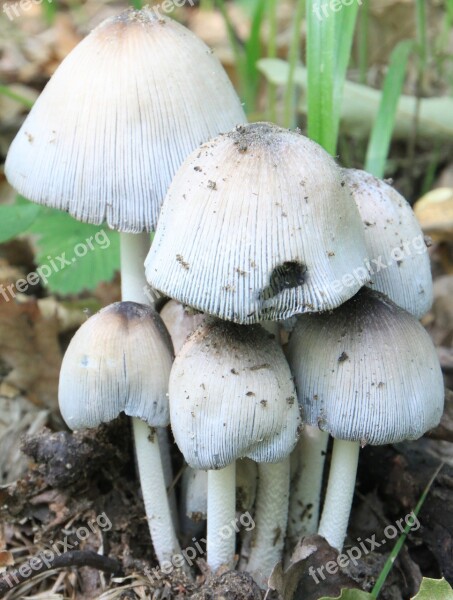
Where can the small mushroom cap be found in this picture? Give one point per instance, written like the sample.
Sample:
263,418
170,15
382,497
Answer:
180,322
117,119
258,225
119,360
232,396
400,266
367,372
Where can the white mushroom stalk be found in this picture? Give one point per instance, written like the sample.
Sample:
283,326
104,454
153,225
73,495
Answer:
340,492
367,373
271,518
119,361
231,396
305,495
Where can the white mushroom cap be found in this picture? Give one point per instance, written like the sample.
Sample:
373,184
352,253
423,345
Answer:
118,118
400,266
231,396
367,372
119,360
180,322
257,225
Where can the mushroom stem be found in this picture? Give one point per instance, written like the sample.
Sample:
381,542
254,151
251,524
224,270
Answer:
155,499
271,517
221,536
306,488
340,491
133,249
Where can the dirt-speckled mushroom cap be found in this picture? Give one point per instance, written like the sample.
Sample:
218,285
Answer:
232,396
119,360
258,225
180,322
400,266
117,119
367,371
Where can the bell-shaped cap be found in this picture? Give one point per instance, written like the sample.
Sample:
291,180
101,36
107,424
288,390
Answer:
117,119
119,360
258,225
398,259
180,322
232,396
367,372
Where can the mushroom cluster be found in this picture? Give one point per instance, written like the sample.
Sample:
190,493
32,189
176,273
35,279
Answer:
255,226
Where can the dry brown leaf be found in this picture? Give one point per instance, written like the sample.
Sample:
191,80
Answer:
30,355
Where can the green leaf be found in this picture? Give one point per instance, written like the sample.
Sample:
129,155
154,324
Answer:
15,219
74,256
348,594
381,135
321,59
434,589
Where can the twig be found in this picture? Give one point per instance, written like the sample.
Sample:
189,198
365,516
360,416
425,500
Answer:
76,558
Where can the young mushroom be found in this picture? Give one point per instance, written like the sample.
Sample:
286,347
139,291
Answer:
119,361
112,126
366,373
275,227
232,396
398,258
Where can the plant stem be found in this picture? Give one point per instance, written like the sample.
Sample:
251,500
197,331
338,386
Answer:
305,494
340,491
154,492
271,517
221,536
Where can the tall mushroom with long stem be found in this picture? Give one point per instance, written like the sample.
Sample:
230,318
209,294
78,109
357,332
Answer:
119,361
112,126
367,373
232,396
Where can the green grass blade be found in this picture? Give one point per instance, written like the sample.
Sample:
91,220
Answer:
399,544
449,8
137,4
363,41
345,23
5,91
253,52
272,53
381,134
50,9
293,57
422,32
321,75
